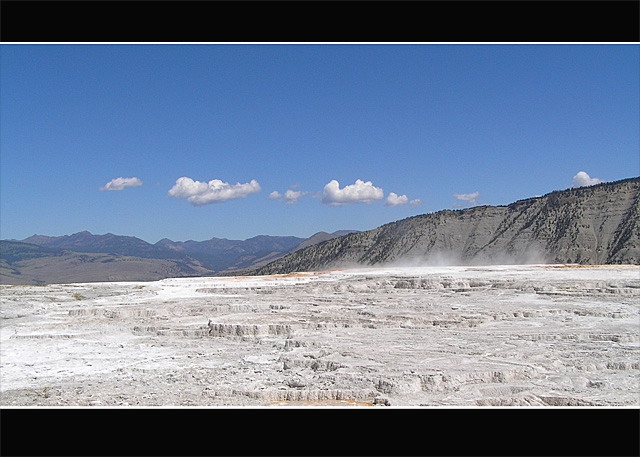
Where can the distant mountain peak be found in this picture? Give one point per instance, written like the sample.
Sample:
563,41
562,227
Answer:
214,255
83,233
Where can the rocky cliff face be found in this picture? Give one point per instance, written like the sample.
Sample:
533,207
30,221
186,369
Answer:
587,225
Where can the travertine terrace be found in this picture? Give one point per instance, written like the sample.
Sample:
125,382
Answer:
534,335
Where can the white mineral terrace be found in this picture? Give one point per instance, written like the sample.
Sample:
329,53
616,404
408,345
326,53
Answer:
539,335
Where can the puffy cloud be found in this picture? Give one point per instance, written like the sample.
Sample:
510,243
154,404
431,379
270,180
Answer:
471,198
200,193
396,200
582,179
121,183
360,192
290,197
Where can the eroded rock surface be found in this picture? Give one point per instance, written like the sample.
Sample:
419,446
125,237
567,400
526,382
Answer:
535,335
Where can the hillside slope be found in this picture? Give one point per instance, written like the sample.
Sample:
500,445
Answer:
321,237
220,254
106,244
85,257
24,263
216,254
587,225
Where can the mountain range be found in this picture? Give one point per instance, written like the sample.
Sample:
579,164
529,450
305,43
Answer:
85,257
598,224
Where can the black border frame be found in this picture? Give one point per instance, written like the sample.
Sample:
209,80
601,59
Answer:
375,431
320,21
371,431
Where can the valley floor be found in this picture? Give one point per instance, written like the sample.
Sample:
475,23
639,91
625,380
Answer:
530,335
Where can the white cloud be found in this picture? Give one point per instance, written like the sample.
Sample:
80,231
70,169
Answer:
200,193
121,183
290,197
396,200
582,179
360,192
471,198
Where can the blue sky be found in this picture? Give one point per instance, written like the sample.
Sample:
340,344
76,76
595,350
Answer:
491,124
